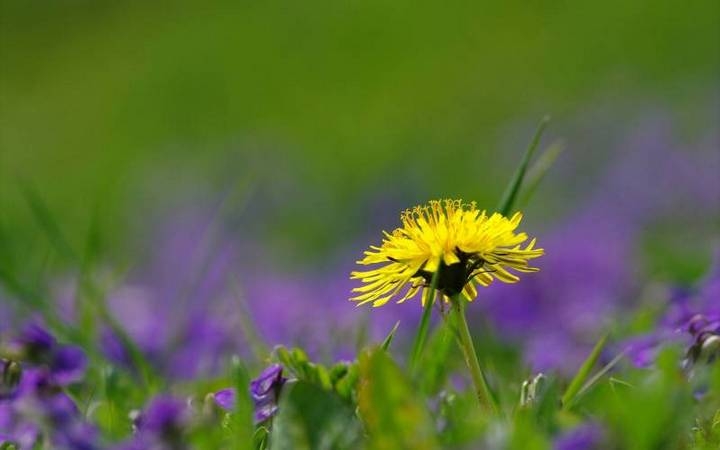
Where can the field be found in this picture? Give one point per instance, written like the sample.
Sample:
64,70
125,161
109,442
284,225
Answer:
359,225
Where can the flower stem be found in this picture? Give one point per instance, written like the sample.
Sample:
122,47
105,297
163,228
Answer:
485,397
422,331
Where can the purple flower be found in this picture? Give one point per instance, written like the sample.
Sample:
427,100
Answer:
165,416
691,319
34,340
68,364
265,391
226,399
642,350
36,346
584,437
161,425
40,411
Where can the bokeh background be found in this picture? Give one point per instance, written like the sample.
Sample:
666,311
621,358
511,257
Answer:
223,164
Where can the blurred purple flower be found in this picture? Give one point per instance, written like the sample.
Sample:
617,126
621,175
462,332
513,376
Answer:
590,271
162,425
691,319
66,364
164,416
41,411
226,399
264,390
642,350
588,436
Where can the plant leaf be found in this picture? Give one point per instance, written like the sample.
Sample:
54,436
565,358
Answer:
393,414
311,418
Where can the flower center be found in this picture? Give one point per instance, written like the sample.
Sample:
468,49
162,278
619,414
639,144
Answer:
453,278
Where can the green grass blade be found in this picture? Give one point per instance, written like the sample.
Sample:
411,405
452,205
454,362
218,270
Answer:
579,380
388,340
509,197
537,172
422,331
601,373
44,218
90,293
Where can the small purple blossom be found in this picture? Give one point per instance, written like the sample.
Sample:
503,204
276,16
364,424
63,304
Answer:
691,318
588,436
35,345
264,390
642,350
34,339
165,415
161,425
226,399
68,364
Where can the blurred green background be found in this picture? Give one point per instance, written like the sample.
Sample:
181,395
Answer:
107,106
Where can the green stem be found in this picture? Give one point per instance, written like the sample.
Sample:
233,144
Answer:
422,331
487,401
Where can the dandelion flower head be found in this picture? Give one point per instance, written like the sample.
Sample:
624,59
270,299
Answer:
460,245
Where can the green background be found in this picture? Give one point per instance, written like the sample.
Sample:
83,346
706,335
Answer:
106,106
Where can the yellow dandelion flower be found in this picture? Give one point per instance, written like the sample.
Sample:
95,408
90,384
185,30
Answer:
466,246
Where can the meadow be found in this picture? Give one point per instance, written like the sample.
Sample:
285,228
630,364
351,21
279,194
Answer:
359,226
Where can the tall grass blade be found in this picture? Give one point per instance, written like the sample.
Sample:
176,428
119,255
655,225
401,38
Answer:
579,380
509,197
90,296
44,218
537,172
388,340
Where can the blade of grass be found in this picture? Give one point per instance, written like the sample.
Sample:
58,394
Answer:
89,295
583,374
422,331
247,326
602,372
509,197
388,340
44,218
537,172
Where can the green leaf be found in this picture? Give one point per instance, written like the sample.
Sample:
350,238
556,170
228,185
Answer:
241,419
579,380
395,417
314,419
388,340
435,367
507,203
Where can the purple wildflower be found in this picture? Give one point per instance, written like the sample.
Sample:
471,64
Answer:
265,391
165,415
35,341
161,425
226,399
36,346
588,436
691,319
40,404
